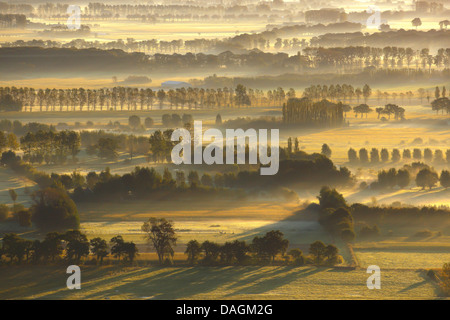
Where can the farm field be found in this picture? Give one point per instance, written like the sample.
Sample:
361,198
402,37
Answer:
276,282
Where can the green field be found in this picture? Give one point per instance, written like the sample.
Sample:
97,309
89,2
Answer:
273,282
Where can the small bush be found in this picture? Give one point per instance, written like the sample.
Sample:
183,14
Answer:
3,212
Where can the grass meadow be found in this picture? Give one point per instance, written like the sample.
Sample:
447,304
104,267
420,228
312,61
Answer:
272,282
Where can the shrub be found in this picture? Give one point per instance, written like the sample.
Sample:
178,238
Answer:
54,210
423,234
24,218
3,212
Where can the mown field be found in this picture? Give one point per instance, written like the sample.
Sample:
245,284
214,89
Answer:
272,282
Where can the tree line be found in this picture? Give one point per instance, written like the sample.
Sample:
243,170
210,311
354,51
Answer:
127,98
278,38
393,38
137,62
262,250
50,146
424,177
306,112
71,246
338,217
375,156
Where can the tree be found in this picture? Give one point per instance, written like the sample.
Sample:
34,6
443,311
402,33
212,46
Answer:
3,141
99,248
426,178
298,257
131,145
206,180
416,22
352,156
387,179
3,212
51,246
161,95
326,150
367,232
161,234
193,178
187,120
12,141
148,122
166,120
440,104
403,178
367,92
218,119
374,156
395,155
211,251
193,250
117,246
180,178
445,179
406,154
54,210
242,97
24,218
362,109
306,111
77,245
437,93
130,251
318,250
417,154
13,195
384,155
363,156
428,155
330,198
238,251
8,103
161,145
134,121
331,252
270,245
168,179
348,235
296,145
107,148
275,243
439,156
15,247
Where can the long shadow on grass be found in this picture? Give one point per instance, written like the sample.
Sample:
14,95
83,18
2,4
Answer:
308,216
93,281
254,276
282,277
180,284
25,281
413,286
